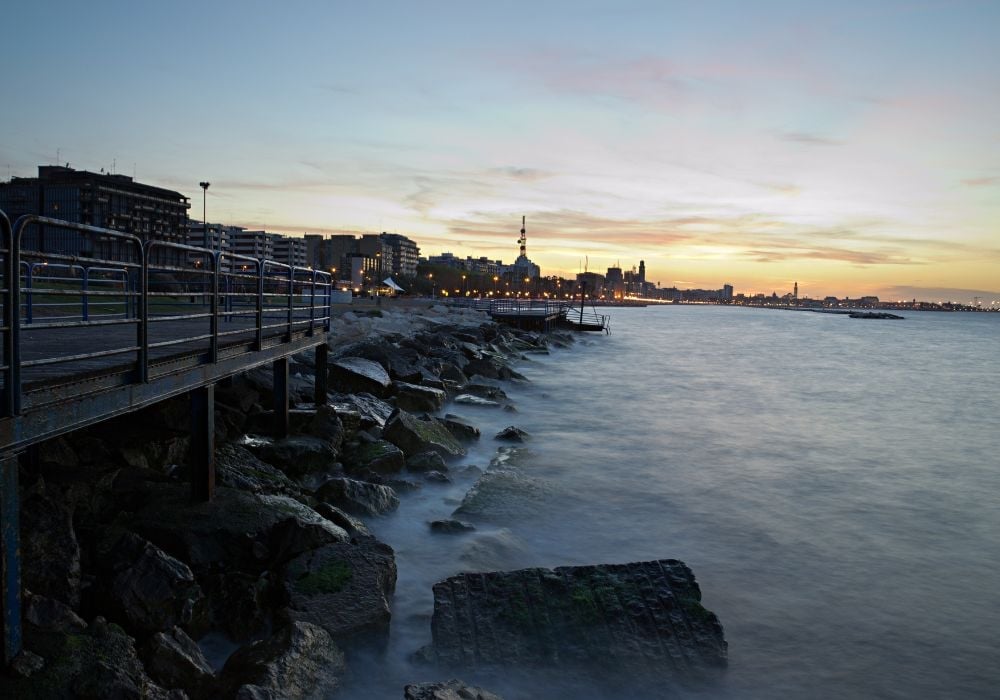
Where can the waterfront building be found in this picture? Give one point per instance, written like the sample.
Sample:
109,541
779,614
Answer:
592,282
405,255
255,244
217,238
448,259
331,252
614,283
289,250
115,202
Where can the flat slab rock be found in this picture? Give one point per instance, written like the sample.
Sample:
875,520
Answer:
637,619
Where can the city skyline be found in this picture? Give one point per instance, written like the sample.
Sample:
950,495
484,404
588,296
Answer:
850,148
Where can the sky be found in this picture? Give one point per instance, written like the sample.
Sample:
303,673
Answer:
853,147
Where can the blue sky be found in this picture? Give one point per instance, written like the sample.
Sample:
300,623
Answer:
853,147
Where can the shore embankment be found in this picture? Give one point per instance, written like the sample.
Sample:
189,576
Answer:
132,589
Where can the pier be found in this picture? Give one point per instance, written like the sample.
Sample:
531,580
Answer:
540,314
124,324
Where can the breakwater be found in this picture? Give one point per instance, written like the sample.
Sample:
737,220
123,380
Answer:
132,588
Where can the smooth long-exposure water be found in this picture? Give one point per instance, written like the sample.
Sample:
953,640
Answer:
834,484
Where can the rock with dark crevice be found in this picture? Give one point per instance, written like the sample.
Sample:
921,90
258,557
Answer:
357,374
235,531
413,397
358,497
414,435
426,462
642,620
298,661
461,428
174,660
148,590
238,468
344,588
296,455
379,456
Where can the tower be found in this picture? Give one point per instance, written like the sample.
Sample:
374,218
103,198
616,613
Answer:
642,271
795,294
523,240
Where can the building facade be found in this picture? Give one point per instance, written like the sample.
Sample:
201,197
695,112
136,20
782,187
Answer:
405,255
114,202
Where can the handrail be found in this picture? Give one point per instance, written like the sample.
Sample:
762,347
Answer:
9,277
223,279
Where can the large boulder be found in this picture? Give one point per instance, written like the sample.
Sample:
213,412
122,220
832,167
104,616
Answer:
296,455
371,411
299,661
95,663
235,531
631,622
356,374
358,497
344,588
460,427
411,397
448,690
380,456
174,660
238,468
148,590
239,603
414,435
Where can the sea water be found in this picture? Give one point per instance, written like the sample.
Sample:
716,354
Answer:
834,484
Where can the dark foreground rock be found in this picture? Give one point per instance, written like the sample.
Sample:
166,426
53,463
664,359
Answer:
299,661
512,434
636,620
449,690
414,435
344,588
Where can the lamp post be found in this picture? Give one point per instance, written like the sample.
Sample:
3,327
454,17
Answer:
204,205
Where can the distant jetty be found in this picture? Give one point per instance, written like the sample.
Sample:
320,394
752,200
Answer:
875,314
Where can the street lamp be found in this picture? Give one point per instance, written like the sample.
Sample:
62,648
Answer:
204,218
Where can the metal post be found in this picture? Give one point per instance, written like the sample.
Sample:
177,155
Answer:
201,456
10,559
281,398
321,380
259,316
85,301
143,327
291,299
213,323
29,305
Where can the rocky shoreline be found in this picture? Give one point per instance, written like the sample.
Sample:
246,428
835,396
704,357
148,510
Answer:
123,572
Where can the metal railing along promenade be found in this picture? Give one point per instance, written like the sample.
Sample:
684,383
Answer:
132,311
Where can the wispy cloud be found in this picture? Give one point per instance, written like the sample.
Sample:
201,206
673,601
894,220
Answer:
981,181
808,138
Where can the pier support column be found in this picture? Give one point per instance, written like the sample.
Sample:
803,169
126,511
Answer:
281,398
322,382
201,455
10,559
